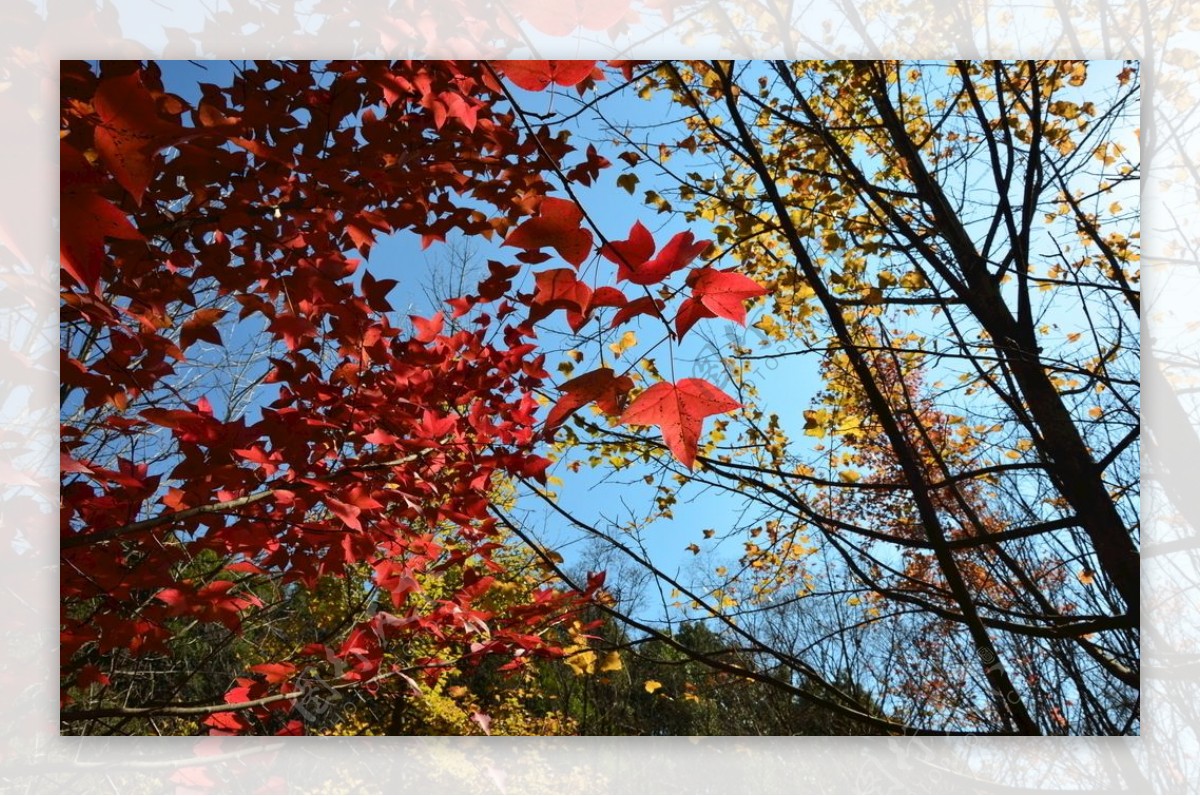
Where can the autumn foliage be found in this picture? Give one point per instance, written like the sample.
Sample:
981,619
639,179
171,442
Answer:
276,475
378,440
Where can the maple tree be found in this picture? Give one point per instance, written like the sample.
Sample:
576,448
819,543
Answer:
247,419
374,446
370,442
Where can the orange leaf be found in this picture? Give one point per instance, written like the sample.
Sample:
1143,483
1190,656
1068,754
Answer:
723,292
558,288
679,410
562,17
275,672
536,75
428,329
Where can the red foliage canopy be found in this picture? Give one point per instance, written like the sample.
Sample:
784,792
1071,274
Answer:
251,197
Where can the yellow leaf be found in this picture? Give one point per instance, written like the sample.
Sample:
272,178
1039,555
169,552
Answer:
769,326
1067,110
652,686
831,241
611,662
850,475
582,663
815,422
653,199
1095,412
627,341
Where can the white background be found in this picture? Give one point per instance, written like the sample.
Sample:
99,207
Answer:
35,35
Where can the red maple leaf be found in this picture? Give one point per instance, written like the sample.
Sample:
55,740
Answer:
559,18
362,229
604,296
227,723
558,288
246,690
87,218
130,132
275,672
679,410
689,312
294,330
723,292
636,249
376,290
645,305
201,326
536,75
602,386
427,329
450,105
632,256
556,226
346,512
